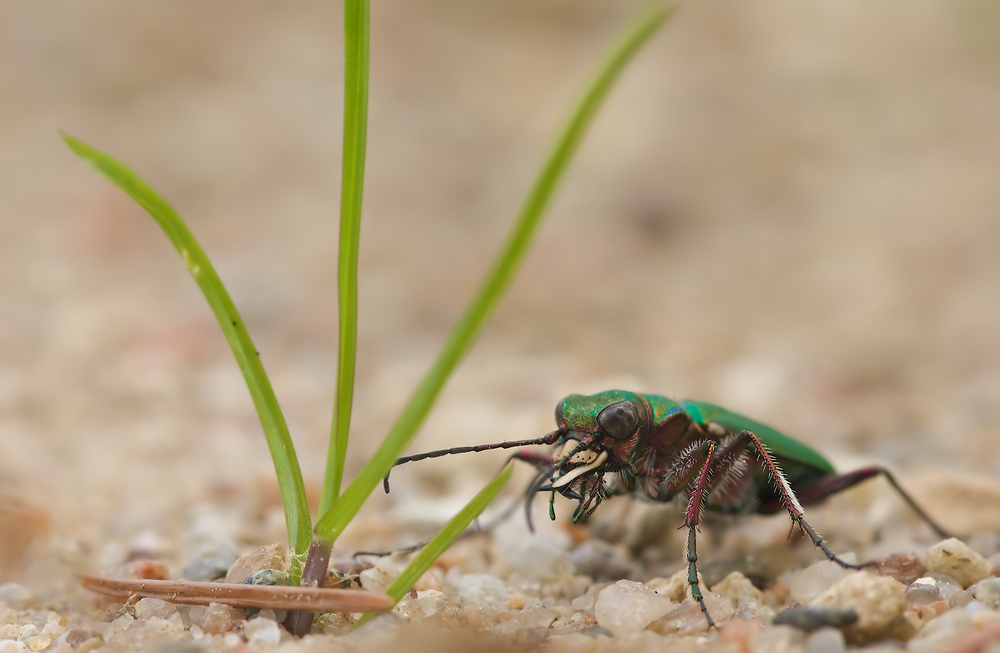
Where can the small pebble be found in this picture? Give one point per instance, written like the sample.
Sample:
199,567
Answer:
537,616
601,560
161,625
987,591
76,637
923,591
16,596
960,599
628,607
122,622
378,578
269,556
262,631
814,618
479,589
102,628
675,588
12,646
598,631
141,570
540,561
740,632
688,619
994,562
878,600
39,642
954,558
431,602
826,640
935,634
737,586
89,645
778,639
220,619
266,577
947,585
806,585
427,581
148,608
27,631
212,565
904,567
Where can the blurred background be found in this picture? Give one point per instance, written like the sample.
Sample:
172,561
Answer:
792,210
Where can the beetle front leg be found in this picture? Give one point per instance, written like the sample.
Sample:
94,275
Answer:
691,521
539,461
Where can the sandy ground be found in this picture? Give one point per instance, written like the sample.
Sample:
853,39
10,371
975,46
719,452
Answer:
789,210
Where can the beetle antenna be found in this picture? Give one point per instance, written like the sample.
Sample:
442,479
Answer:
545,439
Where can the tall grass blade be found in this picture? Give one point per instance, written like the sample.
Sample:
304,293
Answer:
333,522
286,465
356,46
452,530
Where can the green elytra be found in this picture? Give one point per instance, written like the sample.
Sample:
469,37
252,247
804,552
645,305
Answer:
620,442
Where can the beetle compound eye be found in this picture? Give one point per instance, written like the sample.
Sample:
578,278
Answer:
619,421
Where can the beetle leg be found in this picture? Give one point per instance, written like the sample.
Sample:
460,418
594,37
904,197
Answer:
691,520
538,460
684,469
831,485
597,495
788,498
584,509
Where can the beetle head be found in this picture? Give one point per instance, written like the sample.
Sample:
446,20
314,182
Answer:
615,421
598,434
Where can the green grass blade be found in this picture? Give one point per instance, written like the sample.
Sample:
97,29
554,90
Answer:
333,522
452,530
356,46
286,464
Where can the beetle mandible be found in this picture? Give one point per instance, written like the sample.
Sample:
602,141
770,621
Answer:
620,442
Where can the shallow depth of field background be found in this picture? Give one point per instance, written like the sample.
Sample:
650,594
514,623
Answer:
790,210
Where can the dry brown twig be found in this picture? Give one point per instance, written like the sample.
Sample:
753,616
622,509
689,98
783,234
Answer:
273,597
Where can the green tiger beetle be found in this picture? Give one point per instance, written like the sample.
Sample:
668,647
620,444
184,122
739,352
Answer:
620,442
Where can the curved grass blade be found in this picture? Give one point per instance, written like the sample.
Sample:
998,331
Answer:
452,530
286,465
333,521
356,47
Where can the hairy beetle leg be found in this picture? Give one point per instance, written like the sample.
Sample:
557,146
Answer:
691,521
831,485
790,500
713,471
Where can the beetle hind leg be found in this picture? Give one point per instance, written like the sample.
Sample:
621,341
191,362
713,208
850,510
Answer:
831,485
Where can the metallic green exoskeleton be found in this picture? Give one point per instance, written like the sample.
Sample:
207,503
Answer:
620,442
